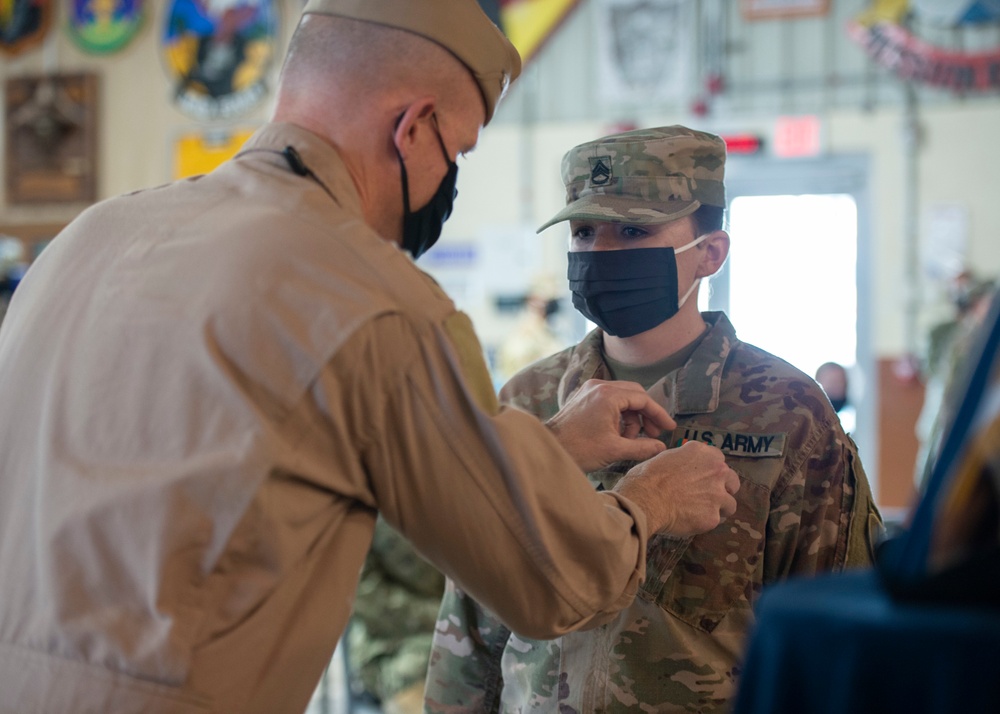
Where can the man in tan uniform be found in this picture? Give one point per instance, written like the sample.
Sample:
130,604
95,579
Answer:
213,387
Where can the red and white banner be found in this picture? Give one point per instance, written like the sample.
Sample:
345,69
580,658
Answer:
909,57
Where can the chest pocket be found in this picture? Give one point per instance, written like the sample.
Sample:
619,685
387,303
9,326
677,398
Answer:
699,579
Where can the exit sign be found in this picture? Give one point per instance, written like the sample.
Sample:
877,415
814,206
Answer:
742,144
797,136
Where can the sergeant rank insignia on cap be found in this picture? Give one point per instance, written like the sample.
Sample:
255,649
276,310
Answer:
600,170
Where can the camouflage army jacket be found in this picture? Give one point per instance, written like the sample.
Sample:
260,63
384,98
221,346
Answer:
804,506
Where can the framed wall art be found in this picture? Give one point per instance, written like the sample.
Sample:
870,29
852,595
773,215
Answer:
51,139
778,9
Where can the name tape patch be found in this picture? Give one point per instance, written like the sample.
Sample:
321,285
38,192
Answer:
737,443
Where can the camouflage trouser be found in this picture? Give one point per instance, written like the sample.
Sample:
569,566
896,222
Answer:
408,701
388,676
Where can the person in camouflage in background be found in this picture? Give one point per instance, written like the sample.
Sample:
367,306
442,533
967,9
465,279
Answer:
392,624
646,210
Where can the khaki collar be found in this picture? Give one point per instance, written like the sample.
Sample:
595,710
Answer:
319,156
692,389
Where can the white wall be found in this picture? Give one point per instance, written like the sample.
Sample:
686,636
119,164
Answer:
138,122
958,163
512,179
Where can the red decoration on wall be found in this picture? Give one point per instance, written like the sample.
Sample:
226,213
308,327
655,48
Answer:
909,57
744,144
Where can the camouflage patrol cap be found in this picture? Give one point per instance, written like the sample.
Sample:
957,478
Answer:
647,176
460,26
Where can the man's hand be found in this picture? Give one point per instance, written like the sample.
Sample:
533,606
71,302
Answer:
684,491
605,422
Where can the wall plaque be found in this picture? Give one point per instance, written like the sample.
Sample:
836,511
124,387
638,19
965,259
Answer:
775,9
51,139
23,24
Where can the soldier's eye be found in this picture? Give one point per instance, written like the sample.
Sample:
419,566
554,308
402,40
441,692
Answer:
634,232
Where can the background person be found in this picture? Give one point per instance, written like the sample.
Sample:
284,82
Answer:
392,624
833,378
645,209
947,346
219,383
532,336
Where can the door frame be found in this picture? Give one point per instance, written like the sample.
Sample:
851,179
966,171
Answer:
835,174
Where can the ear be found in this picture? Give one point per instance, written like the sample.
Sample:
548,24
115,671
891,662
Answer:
414,118
716,250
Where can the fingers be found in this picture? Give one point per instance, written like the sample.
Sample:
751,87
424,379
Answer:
604,421
639,449
732,482
631,425
705,453
654,417
728,507
685,491
631,399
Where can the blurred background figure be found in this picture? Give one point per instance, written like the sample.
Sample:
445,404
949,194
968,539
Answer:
12,268
532,337
946,345
389,638
832,377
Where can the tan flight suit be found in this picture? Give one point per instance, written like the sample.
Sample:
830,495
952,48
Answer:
210,388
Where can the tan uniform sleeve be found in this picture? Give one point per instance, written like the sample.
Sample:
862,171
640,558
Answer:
486,494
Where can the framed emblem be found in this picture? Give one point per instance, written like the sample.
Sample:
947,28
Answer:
777,9
644,49
23,24
104,26
199,152
51,126
217,53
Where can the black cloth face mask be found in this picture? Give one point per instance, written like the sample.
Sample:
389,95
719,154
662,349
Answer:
626,292
422,228
838,403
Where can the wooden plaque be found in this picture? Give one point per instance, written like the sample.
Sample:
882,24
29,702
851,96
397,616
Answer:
51,138
778,9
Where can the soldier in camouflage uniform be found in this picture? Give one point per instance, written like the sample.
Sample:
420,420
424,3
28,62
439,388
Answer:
392,624
637,201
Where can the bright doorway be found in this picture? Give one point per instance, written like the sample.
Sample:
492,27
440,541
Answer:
806,315
797,281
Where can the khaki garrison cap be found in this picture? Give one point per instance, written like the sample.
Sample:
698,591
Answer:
460,26
646,177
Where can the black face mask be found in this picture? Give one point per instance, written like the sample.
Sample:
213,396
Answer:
625,292
422,228
838,403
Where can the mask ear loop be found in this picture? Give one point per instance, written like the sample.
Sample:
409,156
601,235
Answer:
437,130
402,170
697,281
402,164
692,244
688,293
